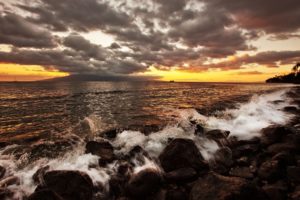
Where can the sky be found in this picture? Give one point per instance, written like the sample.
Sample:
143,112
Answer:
181,40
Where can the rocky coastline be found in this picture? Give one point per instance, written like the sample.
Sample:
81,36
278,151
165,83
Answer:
262,168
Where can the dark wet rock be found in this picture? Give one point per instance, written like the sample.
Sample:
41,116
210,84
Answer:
217,134
224,156
291,109
181,153
285,157
38,176
270,170
274,133
280,147
144,183
177,194
44,195
278,101
117,185
2,172
181,175
293,174
275,192
49,150
216,187
199,130
249,191
245,150
148,129
103,149
110,134
5,193
243,172
11,180
70,185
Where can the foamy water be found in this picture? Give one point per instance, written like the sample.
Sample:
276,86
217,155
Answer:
244,121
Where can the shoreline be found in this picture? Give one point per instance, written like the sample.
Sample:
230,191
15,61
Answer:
260,167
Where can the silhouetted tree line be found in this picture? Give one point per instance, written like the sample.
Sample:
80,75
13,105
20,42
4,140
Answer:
292,77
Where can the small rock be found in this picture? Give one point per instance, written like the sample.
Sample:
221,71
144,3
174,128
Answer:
5,193
181,153
110,134
291,109
280,147
243,172
181,175
199,130
144,183
177,194
245,150
224,156
102,148
11,180
285,157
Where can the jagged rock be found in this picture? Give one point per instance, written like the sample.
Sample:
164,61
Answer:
274,133
70,185
243,172
181,153
2,172
103,149
144,183
181,175
38,176
44,195
216,187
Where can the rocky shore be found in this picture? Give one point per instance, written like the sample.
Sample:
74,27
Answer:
262,168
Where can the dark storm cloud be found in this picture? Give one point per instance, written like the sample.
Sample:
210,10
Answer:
266,15
162,33
15,30
80,44
80,15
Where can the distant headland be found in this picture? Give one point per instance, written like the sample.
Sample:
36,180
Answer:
292,77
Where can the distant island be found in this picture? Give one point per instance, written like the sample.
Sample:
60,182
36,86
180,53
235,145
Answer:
292,77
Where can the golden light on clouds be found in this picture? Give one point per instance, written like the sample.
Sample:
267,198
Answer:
255,74
16,72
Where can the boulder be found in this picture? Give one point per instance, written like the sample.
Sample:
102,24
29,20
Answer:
181,153
70,185
280,147
274,133
45,195
145,183
216,187
242,172
103,149
181,175
224,156
2,172
286,158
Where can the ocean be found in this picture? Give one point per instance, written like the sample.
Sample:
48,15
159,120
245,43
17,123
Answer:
46,123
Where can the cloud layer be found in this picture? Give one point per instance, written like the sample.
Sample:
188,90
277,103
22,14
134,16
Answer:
160,33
